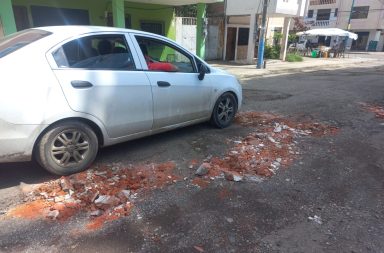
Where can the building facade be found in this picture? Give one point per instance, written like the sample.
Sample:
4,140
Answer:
364,17
157,16
243,23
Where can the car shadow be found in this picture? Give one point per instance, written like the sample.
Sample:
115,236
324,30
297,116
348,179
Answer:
12,174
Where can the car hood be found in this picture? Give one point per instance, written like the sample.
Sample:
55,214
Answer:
219,71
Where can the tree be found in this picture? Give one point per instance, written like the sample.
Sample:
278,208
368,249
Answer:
299,25
186,10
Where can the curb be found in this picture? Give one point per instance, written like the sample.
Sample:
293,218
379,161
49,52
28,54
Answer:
292,69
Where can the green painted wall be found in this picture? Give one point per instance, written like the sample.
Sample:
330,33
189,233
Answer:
200,35
137,11
118,13
151,12
6,16
96,11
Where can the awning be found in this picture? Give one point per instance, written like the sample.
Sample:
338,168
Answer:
329,32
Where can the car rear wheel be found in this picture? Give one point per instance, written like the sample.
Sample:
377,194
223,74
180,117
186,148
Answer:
224,110
67,148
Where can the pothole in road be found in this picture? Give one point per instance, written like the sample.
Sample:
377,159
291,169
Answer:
107,193
265,95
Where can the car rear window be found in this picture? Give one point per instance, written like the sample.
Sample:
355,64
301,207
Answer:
18,40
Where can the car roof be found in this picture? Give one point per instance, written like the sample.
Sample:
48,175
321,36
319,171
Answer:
83,28
67,31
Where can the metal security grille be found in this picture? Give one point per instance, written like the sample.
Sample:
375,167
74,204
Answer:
152,27
321,2
189,21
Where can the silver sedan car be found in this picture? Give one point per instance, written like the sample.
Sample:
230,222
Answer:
67,91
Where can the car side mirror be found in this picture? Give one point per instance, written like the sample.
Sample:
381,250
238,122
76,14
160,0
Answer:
202,72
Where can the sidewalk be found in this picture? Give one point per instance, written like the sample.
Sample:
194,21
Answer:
278,67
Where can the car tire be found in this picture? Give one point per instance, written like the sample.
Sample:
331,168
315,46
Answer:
224,111
67,148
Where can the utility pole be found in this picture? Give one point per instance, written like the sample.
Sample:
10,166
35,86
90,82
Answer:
260,54
350,16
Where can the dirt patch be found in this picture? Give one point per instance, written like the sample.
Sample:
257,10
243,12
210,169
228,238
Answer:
263,152
203,183
376,109
105,193
31,210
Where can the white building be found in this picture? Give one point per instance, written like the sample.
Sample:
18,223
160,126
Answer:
366,19
244,21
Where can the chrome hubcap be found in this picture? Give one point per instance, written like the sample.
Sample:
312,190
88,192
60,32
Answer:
70,147
225,110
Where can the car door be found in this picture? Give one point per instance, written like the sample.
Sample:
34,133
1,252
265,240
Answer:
99,76
178,95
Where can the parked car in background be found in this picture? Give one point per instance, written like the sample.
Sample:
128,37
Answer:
67,91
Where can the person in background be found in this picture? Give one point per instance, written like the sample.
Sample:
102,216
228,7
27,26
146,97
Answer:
335,48
104,47
156,65
308,46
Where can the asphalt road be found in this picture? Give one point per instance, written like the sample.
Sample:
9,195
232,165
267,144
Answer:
331,199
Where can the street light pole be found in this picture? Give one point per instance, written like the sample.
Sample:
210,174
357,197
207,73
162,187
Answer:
350,16
260,54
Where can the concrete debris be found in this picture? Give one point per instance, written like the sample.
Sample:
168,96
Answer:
126,193
96,213
230,220
199,249
203,169
59,198
316,219
106,193
253,178
272,140
105,200
44,194
278,128
66,184
208,158
115,168
264,152
53,214
233,176
91,191
27,188
193,164
101,173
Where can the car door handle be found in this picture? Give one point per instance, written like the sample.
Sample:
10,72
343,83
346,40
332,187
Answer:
81,84
163,84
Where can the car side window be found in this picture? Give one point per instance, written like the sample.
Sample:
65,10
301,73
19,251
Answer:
161,56
110,52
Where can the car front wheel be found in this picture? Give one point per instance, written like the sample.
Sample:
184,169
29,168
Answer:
224,110
67,148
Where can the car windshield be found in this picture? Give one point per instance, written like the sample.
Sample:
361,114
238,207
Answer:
18,40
